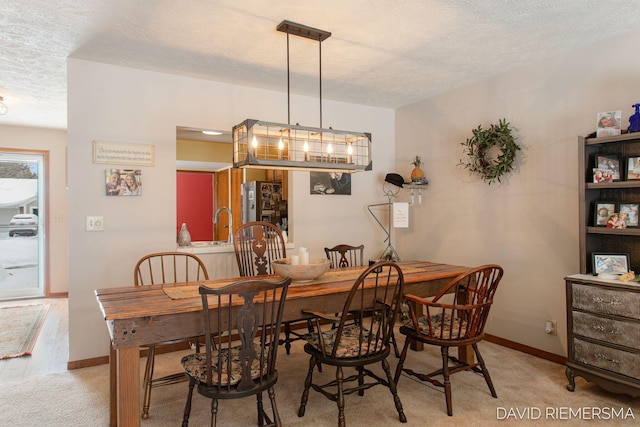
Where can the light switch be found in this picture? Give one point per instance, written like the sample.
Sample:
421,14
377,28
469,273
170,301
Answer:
94,223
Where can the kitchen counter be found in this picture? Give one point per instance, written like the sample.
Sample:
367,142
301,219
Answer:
220,259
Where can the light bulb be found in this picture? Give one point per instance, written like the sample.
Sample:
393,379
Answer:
254,143
280,148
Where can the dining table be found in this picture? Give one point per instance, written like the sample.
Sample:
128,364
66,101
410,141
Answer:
146,315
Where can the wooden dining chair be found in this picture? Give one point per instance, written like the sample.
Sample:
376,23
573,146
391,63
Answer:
452,324
257,244
345,256
374,299
342,256
165,267
240,356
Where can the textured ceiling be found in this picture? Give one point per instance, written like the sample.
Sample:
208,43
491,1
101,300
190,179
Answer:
382,52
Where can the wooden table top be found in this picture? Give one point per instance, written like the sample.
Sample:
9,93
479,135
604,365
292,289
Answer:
152,300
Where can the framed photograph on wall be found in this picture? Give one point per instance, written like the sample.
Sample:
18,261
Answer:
329,183
610,263
633,168
629,212
123,182
611,164
603,211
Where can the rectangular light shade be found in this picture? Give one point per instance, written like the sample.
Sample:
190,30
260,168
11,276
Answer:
266,145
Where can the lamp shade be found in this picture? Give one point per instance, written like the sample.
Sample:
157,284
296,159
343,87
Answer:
258,144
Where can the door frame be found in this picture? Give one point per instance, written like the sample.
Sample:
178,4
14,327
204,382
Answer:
43,244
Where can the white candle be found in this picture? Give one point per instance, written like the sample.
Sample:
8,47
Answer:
304,258
295,260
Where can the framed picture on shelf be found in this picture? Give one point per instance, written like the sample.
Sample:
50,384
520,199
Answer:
629,212
602,175
610,263
603,211
611,164
633,168
608,123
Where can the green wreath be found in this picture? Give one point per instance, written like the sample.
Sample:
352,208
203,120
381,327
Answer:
477,149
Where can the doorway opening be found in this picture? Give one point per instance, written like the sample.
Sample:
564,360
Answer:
22,230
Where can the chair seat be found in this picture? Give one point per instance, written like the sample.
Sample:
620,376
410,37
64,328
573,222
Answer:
195,366
452,330
349,345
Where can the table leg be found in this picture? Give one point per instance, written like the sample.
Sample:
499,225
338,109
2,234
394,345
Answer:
113,387
465,354
128,386
414,344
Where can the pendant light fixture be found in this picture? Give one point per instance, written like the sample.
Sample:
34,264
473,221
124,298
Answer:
263,144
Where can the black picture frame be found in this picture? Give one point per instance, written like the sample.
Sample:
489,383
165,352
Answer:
612,263
600,217
632,212
633,168
611,163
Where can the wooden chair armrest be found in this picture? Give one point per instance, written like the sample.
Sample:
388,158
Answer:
417,299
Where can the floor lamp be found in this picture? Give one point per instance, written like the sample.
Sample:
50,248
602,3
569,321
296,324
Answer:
390,192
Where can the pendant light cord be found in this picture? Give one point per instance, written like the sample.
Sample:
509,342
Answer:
288,85
289,78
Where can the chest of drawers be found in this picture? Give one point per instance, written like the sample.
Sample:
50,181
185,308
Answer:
603,333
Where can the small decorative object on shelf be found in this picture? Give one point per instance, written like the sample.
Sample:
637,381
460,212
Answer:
184,237
417,175
634,120
627,277
490,152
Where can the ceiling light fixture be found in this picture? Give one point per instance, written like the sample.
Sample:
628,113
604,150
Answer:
261,144
3,106
211,132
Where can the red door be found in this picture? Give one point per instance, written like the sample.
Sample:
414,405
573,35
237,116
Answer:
195,204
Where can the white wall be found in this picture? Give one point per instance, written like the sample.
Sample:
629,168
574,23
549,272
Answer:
54,141
529,223
111,103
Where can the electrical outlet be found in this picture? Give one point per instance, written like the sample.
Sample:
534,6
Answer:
94,223
551,327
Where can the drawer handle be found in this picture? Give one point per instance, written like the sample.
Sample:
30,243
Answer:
606,358
602,328
601,300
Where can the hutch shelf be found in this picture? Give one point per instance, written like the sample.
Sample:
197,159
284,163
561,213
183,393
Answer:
603,316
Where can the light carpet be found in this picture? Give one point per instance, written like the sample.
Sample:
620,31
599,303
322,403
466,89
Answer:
523,382
19,328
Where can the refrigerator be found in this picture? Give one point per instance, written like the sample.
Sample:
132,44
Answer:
262,201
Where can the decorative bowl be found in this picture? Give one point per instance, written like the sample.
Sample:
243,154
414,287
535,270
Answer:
301,272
